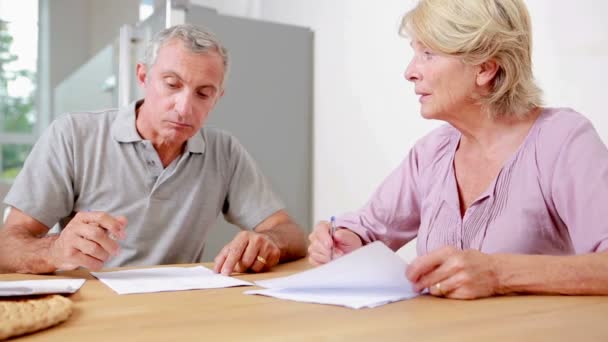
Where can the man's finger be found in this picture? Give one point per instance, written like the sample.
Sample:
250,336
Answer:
116,226
258,265
97,235
235,251
92,249
238,268
220,259
86,261
268,256
253,249
272,255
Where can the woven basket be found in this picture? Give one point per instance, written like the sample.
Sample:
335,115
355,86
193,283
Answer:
24,315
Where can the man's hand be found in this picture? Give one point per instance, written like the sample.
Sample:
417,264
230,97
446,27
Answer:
452,273
247,251
321,243
88,241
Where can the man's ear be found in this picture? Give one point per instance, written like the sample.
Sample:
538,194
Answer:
486,72
142,74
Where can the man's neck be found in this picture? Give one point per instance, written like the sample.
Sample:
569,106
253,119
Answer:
167,150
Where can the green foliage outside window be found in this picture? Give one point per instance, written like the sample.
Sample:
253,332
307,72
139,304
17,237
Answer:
17,114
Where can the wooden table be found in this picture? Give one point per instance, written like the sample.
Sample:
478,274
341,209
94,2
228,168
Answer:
228,315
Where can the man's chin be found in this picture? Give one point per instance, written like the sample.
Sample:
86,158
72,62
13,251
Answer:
177,137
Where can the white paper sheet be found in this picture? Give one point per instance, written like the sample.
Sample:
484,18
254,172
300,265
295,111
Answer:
165,279
40,286
368,277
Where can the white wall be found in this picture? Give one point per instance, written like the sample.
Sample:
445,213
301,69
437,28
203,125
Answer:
366,115
571,55
365,118
71,32
106,18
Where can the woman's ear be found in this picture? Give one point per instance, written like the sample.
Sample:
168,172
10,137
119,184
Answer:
486,72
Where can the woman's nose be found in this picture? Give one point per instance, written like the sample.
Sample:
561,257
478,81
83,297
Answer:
411,72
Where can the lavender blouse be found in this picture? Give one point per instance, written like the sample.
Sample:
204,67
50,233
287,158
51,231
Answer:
550,197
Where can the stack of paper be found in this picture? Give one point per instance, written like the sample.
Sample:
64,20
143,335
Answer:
368,277
165,279
41,286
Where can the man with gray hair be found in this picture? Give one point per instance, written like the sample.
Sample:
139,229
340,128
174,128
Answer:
143,184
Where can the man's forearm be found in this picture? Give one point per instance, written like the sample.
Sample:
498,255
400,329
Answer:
20,252
543,274
290,239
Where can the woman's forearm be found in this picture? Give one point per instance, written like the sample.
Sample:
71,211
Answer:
543,274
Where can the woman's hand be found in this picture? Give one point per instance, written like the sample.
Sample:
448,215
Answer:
323,248
452,273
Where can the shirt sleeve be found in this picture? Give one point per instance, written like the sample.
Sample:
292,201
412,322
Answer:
250,198
392,214
580,188
43,188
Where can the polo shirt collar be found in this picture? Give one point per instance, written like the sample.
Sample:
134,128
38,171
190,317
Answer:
124,129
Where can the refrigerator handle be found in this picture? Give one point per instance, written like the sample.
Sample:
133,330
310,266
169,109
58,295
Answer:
175,12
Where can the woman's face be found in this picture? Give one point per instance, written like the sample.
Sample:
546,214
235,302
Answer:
445,84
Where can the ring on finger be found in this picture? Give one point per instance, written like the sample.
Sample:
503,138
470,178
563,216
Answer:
437,287
261,259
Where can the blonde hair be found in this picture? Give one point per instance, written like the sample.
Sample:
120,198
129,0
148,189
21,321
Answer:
477,31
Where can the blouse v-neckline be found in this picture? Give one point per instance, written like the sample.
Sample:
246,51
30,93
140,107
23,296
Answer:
452,196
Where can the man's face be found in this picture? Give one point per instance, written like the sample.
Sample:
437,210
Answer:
181,88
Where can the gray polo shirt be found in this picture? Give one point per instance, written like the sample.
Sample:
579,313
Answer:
97,161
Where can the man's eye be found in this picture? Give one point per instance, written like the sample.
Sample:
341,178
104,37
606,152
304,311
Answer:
171,82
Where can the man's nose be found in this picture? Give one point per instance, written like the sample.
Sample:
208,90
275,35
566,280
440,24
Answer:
183,104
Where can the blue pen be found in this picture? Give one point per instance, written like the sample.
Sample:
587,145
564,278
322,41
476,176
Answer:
332,232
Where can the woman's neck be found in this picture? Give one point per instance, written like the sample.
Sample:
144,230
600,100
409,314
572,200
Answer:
489,135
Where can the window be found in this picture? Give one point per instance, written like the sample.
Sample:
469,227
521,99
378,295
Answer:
146,9
18,58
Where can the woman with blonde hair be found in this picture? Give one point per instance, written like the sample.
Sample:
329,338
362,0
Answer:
507,197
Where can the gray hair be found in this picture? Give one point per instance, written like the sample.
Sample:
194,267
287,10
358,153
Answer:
195,39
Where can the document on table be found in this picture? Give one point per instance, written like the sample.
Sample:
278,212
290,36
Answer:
367,277
161,279
39,286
